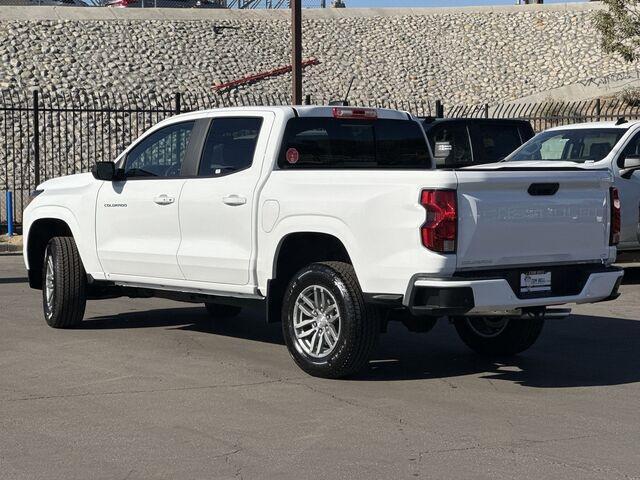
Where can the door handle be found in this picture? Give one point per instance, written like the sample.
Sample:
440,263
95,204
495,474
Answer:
234,200
164,199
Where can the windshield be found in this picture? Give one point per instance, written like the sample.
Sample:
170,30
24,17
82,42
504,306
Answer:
579,145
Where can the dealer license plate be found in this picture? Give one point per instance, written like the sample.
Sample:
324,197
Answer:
535,282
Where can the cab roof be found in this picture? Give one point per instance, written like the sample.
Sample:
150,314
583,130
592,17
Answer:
300,111
326,111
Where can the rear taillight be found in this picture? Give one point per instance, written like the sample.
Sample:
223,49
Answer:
440,230
614,235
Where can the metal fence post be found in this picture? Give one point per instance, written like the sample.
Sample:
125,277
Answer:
178,106
9,205
486,110
36,138
439,109
598,108
296,51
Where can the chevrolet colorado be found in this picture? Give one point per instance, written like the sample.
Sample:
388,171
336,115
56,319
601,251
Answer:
333,219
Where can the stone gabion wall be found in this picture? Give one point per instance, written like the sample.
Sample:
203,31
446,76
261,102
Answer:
456,56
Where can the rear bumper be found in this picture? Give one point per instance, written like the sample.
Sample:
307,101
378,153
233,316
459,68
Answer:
458,296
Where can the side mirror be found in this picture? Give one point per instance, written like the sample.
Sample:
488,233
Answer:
104,171
629,165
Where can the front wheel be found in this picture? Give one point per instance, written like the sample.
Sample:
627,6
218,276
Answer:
329,330
499,336
63,284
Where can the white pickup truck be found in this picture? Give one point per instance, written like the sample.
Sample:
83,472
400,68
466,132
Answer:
333,219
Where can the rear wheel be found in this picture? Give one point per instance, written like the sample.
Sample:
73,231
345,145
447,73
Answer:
63,284
499,336
329,330
219,311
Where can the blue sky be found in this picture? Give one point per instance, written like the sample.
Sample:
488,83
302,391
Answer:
432,3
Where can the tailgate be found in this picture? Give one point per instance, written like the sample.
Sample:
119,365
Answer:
510,218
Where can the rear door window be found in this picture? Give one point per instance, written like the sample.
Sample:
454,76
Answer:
319,142
526,133
230,146
457,136
496,141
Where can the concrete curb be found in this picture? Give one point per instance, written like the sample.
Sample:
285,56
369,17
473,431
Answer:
35,13
13,246
9,248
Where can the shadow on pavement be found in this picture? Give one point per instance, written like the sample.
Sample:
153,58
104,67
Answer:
14,280
578,351
250,325
168,317
631,276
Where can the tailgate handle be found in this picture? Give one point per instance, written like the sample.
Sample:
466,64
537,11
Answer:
539,189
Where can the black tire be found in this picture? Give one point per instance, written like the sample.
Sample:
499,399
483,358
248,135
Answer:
65,308
516,336
219,311
359,324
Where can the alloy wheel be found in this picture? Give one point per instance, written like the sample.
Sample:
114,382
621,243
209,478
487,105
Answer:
316,321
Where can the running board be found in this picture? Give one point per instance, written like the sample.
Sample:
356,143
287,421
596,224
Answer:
189,290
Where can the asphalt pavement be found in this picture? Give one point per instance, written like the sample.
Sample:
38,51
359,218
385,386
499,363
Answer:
152,389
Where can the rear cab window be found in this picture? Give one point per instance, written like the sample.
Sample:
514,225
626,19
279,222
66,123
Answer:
338,143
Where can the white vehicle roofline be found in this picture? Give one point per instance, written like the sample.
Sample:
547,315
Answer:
609,124
302,111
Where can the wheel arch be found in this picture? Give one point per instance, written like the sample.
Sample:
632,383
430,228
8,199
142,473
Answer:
56,222
295,250
320,246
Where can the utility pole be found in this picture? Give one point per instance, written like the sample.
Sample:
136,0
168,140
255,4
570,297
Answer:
296,54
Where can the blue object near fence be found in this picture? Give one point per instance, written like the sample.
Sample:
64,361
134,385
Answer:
9,205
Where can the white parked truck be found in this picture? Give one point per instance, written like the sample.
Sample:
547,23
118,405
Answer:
613,145
332,218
